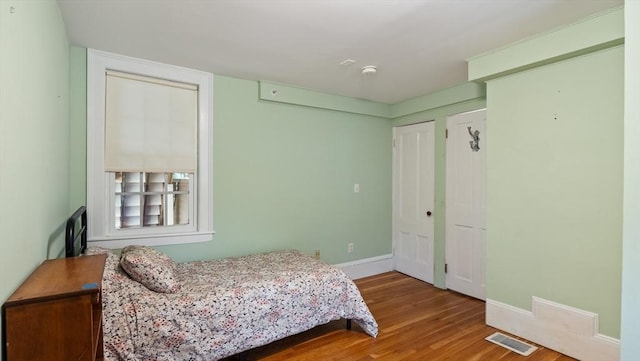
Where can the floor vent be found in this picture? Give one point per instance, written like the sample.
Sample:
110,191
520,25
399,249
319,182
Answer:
511,343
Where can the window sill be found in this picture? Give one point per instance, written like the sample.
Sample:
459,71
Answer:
153,240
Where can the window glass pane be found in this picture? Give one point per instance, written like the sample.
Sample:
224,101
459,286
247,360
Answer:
180,182
151,199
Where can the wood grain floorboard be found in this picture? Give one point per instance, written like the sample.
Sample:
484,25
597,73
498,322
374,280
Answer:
416,322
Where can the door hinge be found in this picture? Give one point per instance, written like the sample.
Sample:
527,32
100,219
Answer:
394,142
446,133
446,266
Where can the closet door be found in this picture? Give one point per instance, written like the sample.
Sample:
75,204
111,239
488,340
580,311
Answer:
465,203
413,200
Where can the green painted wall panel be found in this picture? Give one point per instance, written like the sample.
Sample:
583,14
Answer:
284,176
554,185
77,128
595,32
291,95
34,141
458,94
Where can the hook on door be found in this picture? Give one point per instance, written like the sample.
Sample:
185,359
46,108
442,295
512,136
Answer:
475,143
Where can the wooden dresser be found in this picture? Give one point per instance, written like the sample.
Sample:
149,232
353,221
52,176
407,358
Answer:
56,314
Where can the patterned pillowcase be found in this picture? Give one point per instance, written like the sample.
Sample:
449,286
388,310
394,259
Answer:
153,269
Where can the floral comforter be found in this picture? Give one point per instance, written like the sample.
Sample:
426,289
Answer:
225,306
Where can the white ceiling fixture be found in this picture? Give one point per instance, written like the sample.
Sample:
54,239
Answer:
421,44
347,62
369,70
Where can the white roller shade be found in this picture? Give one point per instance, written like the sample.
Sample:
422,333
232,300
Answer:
150,124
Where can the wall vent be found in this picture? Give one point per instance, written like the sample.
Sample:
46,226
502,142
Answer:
511,343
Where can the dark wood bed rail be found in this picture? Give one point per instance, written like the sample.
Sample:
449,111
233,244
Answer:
71,246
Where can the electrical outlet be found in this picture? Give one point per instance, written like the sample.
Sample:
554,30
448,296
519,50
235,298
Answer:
316,255
350,247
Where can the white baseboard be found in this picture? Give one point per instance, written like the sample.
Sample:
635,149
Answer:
367,267
568,330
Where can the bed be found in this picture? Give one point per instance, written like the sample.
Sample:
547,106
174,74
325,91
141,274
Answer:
157,309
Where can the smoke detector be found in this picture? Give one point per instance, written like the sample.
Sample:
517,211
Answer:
369,70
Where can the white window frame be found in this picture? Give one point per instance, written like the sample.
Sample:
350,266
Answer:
100,189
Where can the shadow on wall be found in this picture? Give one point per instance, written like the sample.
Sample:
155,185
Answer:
55,244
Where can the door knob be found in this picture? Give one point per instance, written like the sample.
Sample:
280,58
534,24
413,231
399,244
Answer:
428,213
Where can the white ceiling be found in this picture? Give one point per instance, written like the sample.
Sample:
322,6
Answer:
418,46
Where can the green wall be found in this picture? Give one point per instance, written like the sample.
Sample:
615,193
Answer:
599,31
34,140
554,185
630,334
284,175
77,128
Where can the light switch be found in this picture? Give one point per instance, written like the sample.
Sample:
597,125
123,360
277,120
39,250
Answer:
356,188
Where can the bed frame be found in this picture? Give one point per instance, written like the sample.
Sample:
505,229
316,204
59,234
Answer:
75,240
76,245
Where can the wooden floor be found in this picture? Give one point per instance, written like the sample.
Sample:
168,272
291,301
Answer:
416,322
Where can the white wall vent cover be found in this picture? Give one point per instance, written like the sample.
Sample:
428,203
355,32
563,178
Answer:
511,343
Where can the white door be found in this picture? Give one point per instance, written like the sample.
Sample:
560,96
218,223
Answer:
413,188
465,203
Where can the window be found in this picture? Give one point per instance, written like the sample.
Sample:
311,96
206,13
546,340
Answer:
148,152
152,199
